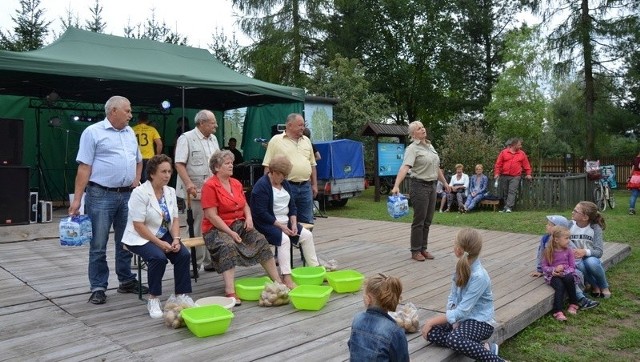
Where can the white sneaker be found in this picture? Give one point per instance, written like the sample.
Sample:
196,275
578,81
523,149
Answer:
507,210
184,299
153,305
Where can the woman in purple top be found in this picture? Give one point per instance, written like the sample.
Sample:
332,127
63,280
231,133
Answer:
558,268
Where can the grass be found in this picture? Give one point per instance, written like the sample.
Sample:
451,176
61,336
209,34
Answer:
612,330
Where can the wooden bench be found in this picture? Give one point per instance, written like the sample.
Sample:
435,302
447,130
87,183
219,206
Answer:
494,203
192,243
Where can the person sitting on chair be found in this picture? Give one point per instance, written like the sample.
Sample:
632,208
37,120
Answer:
274,215
459,185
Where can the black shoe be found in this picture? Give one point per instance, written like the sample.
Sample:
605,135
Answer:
209,268
586,303
132,287
98,297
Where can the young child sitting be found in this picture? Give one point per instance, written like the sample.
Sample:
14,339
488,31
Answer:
558,267
375,336
469,317
558,220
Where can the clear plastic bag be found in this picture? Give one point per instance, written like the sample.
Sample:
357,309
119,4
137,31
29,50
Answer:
172,311
273,295
329,265
407,317
397,206
75,230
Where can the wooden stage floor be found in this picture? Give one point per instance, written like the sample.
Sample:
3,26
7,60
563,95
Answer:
44,314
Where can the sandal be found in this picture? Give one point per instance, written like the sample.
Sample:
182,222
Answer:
235,297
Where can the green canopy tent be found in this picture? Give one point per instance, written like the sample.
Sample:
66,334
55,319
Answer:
83,69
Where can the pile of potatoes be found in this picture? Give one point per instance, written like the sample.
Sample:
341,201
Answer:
329,265
172,312
274,294
407,317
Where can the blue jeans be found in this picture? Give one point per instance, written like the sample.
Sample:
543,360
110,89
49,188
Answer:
157,264
107,208
303,197
591,268
634,197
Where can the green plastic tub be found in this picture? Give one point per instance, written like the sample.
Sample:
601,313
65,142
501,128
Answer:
209,320
345,281
308,275
310,297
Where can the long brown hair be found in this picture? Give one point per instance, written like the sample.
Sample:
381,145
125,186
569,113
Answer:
552,245
470,242
384,291
591,210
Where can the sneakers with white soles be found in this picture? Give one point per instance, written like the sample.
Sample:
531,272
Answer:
184,299
153,305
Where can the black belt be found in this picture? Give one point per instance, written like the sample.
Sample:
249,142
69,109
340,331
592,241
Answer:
298,183
112,189
423,181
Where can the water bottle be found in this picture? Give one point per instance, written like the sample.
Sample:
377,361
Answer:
260,140
495,184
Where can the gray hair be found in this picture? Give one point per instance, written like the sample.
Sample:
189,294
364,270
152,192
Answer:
114,102
412,127
218,158
292,117
203,115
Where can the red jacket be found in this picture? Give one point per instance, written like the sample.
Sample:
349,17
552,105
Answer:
511,164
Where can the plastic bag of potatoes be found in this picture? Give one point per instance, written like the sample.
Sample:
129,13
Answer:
172,311
407,317
274,294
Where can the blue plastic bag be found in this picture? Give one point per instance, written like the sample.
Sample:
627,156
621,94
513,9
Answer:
398,206
75,230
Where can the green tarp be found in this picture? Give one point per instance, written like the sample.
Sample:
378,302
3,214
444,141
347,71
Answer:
90,67
86,68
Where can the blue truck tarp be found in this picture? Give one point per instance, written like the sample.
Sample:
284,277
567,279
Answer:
341,159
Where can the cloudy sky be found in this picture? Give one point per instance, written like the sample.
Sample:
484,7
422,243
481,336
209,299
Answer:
196,19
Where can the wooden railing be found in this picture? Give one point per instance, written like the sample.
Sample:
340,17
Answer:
575,166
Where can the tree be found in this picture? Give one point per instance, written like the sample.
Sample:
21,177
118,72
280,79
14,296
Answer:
466,142
154,30
432,60
96,23
519,107
30,30
228,51
586,38
285,34
345,80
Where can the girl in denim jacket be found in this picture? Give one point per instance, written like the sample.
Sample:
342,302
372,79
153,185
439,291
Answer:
375,336
469,317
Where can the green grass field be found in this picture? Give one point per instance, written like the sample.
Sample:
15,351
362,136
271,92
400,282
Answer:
612,330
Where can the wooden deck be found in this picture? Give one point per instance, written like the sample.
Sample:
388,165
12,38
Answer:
44,314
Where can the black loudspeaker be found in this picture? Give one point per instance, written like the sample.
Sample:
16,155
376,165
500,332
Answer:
14,195
11,133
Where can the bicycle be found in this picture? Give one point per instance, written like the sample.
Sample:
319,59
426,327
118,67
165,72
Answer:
602,194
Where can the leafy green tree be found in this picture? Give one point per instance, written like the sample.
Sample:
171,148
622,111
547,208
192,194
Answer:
345,80
467,143
285,35
586,35
30,28
519,107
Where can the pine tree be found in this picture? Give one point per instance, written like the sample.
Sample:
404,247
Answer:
30,30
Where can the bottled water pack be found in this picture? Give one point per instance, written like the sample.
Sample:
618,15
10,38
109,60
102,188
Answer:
75,230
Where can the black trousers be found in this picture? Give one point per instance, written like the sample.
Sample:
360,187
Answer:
563,285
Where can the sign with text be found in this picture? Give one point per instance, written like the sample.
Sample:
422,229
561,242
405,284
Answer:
390,156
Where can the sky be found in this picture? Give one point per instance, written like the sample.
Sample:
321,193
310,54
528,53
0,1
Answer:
196,19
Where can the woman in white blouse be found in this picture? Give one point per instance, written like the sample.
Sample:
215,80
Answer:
153,232
459,187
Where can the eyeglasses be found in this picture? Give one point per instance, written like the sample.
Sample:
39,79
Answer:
577,212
